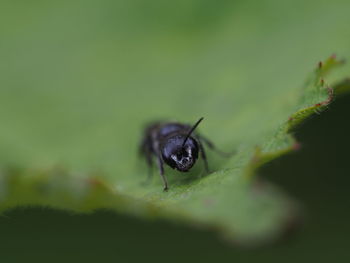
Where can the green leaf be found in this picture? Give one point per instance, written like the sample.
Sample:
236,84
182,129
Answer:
80,80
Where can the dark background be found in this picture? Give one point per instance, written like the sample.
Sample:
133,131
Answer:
317,176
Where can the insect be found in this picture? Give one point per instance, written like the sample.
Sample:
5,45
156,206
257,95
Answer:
175,144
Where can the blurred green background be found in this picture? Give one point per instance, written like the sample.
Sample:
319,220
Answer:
78,79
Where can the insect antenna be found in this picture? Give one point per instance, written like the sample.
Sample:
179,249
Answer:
191,131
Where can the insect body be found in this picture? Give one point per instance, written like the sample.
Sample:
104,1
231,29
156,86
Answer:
176,145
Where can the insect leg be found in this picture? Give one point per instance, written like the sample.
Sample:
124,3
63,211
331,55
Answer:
213,147
204,156
161,172
150,165
146,152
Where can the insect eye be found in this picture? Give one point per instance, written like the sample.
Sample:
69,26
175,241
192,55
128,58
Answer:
189,151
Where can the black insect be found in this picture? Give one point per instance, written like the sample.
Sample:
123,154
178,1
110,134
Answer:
176,145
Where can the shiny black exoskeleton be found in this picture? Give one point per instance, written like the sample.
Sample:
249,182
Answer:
176,145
